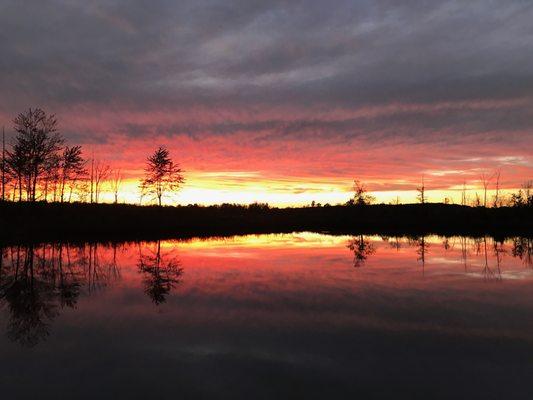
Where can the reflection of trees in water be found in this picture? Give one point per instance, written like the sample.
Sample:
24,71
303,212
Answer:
29,297
491,273
477,245
394,242
362,249
98,274
498,251
161,273
464,251
421,250
489,251
523,249
37,282
421,245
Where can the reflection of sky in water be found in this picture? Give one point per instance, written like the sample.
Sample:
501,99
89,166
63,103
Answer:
312,313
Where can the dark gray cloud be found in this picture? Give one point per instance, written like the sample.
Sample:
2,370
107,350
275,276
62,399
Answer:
167,55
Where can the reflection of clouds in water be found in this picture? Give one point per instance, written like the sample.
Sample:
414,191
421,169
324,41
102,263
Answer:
37,283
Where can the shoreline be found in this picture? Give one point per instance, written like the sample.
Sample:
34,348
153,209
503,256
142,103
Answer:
41,222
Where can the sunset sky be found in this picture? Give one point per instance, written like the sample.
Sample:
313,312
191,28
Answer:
282,101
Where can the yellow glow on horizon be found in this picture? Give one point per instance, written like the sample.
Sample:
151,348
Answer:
209,188
304,240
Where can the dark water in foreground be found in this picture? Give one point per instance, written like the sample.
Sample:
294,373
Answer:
269,316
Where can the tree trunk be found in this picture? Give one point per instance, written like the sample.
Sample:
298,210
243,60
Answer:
34,192
20,187
62,189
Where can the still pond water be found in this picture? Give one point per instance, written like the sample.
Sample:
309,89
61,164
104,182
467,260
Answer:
298,315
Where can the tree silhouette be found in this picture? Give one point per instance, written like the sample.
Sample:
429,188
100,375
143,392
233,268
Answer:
497,200
116,182
72,168
161,175
99,173
361,196
485,181
37,141
421,197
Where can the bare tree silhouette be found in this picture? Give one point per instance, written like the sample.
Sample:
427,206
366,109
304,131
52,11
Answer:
421,197
497,200
485,182
463,195
101,172
116,182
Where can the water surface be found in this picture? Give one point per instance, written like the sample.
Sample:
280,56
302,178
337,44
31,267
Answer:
269,316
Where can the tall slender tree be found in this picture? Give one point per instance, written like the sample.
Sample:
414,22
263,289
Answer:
100,173
485,181
421,193
497,200
116,182
162,175
463,194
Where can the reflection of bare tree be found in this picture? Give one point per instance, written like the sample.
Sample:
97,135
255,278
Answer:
98,274
499,251
464,252
523,249
393,242
488,272
421,249
160,275
36,282
362,249
477,245
396,243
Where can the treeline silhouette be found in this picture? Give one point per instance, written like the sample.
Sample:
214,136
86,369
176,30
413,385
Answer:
40,221
39,166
